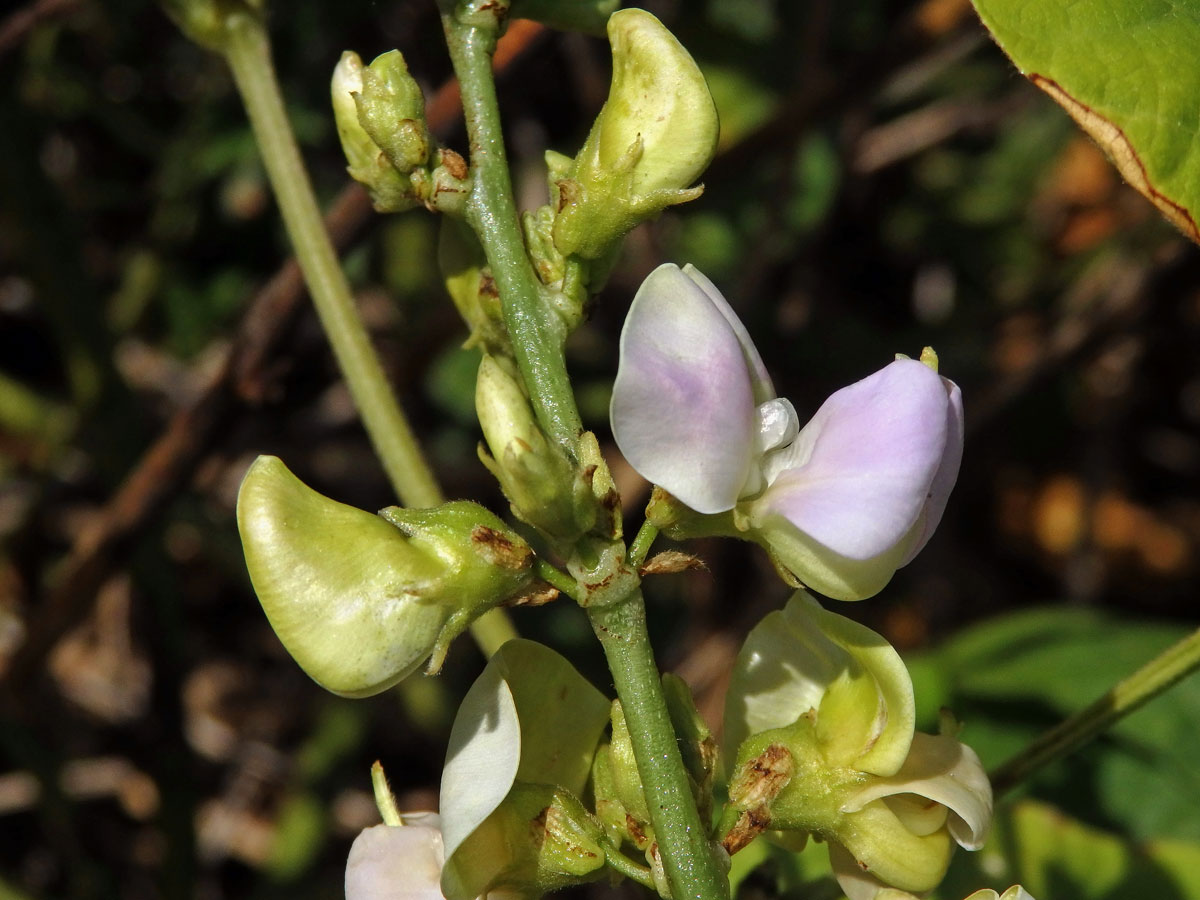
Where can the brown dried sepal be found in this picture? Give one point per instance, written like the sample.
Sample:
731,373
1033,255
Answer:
537,594
671,561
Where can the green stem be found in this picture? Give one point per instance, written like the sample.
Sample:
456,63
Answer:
248,51
689,858
557,578
536,332
1173,664
642,542
622,864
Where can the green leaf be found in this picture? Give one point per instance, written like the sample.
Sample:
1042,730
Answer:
1126,72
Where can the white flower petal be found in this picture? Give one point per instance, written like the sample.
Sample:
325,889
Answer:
763,389
683,404
482,757
945,771
858,476
395,863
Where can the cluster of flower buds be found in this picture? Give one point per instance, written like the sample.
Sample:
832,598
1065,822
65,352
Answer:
380,115
359,600
820,723
839,503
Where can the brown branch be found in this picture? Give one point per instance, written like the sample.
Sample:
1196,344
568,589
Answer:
168,465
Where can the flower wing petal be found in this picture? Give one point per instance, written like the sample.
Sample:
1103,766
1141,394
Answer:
860,472
947,471
683,401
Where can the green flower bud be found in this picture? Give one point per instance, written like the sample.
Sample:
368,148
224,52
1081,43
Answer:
391,109
539,481
380,115
656,133
360,601
390,190
469,282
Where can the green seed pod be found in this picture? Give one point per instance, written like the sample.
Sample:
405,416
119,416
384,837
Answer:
656,133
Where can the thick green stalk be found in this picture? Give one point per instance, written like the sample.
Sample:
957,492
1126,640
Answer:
536,332
689,856
248,51
249,54
1173,664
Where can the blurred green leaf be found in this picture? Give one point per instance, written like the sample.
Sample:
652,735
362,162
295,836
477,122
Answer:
1009,677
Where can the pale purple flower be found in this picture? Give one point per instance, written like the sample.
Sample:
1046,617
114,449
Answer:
842,502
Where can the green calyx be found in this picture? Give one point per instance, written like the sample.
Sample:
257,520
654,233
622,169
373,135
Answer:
539,839
783,783
656,133
359,600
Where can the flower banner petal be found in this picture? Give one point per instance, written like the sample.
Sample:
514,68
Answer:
763,389
683,400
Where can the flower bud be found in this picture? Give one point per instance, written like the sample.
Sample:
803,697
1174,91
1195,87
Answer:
361,601
380,115
656,133
831,751
539,481
470,285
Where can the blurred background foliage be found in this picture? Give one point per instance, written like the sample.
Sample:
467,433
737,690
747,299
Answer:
885,181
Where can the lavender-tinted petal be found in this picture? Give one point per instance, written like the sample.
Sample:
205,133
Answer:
683,401
861,471
947,471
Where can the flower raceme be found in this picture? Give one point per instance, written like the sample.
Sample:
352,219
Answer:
840,503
